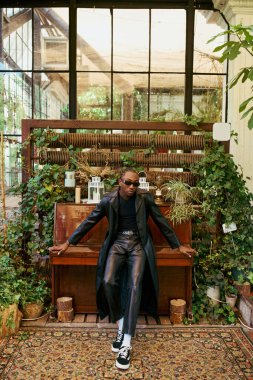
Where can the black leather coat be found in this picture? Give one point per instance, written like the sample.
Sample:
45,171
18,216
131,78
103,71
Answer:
145,207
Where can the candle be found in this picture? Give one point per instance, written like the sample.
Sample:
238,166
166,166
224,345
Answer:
78,194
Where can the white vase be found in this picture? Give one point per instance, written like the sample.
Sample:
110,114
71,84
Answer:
213,292
231,299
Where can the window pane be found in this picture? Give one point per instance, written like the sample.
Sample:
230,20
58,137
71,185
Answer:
93,96
17,40
12,163
130,100
51,33
16,104
94,39
208,96
166,97
130,39
205,61
168,40
51,95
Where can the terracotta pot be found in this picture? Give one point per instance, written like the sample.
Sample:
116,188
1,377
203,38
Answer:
32,310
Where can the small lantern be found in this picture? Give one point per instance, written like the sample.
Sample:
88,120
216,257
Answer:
143,183
70,180
96,190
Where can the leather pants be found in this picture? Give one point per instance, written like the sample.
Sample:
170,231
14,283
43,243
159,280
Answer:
126,253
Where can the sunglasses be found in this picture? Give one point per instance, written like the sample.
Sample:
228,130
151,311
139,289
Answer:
129,183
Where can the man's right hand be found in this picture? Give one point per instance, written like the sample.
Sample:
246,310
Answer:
59,248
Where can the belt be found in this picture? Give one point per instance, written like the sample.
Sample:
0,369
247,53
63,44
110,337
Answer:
128,233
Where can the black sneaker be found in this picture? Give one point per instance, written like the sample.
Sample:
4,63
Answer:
116,344
123,359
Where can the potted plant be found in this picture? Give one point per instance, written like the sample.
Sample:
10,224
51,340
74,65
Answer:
10,316
230,294
181,195
34,294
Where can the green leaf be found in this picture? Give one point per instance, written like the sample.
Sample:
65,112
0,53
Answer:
236,78
234,52
245,75
250,75
247,112
250,122
244,104
226,44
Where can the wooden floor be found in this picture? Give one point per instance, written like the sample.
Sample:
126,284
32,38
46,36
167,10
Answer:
92,320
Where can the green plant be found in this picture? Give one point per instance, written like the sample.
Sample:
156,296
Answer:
226,200
36,214
9,292
230,290
33,289
242,40
193,120
205,311
128,160
181,196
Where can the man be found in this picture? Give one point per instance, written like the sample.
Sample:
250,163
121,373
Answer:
126,273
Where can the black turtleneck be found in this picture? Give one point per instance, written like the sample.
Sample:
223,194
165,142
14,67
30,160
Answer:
127,214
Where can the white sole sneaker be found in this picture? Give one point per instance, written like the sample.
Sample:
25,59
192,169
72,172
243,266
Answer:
114,349
122,366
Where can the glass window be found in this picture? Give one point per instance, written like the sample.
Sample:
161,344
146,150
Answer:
17,42
51,95
16,105
168,33
94,96
166,97
130,40
130,100
129,65
207,97
93,39
205,61
51,39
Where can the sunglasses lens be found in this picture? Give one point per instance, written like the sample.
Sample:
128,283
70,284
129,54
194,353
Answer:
129,183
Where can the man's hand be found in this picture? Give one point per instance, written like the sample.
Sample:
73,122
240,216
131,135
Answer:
59,248
186,250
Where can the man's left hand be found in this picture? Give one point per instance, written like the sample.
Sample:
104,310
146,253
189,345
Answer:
186,250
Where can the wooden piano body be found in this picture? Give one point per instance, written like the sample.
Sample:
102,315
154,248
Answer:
73,272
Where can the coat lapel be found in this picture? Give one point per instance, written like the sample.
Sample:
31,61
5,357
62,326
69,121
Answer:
138,203
114,215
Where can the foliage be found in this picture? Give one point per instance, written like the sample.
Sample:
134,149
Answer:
203,309
226,199
18,286
9,293
128,160
29,232
33,289
230,290
39,194
193,120
242,40
95,104
182,197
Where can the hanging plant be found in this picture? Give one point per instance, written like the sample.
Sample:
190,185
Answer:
181,197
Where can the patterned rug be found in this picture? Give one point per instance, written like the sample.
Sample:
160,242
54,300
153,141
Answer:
160,353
